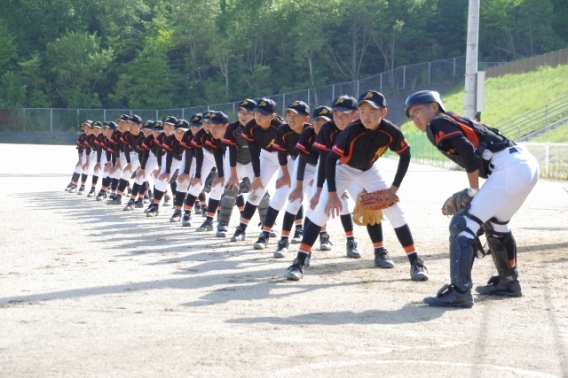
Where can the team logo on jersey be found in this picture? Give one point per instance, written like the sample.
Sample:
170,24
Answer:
380,152
270,144
369,95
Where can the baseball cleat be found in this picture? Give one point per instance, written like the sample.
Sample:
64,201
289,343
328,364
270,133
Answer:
502,288
176,217
351,249
205,226
282,249
295,272
447,296
81,190
325,243
153,211
186,220
382,259
73,189
222,230
261,243
239,235
139,204
418,271
297,238
129,206
91,193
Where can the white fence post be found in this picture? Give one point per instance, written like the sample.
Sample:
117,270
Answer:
546,158
51,120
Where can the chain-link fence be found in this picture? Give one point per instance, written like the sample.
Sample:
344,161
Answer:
396,84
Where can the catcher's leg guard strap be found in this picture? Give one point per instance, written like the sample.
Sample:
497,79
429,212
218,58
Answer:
228,200
503,249
461,253
263,207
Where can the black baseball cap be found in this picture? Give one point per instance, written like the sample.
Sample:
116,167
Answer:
148,125
247,105
123,117
182,124
97,124
135,119
345,104
265,106
324,112
218,118
196,120
112,125
158,126
299,107
87,122
207,116
373,98
170,120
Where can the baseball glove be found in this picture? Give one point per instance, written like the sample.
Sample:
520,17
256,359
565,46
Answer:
369,206
456,202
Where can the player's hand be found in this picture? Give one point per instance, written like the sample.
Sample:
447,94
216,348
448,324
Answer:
97,167
393,189
183,177
107,167
333,207
311,182
164,177
315,199
283,181
218,181
256,184
295,194
345,195
78,164
233,182
196,181
155,174
141,174
127,167
85,166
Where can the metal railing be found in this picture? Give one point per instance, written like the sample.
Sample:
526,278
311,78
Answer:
534,120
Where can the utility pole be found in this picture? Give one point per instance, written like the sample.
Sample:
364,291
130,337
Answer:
471,59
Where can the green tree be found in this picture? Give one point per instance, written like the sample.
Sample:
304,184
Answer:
77,63
8,48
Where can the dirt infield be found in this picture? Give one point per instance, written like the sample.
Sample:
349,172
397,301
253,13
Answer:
89,290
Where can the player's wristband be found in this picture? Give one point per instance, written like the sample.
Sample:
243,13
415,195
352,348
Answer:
472,192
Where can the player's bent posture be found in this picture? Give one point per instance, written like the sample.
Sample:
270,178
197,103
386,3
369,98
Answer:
352,159
511,174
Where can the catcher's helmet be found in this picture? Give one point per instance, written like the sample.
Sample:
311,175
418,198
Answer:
423,97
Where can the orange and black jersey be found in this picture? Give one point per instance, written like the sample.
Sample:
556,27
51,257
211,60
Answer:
146,146
238,147
199,142
174,151
132,143
359,148
219,149
89,144
80,143
323,144
305,146
468,143
286,143
100,146
114,142
259,139
159,150
188,150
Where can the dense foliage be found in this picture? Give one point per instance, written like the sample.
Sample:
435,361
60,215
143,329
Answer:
156,54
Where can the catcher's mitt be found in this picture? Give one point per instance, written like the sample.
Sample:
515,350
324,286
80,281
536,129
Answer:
368,208
456,202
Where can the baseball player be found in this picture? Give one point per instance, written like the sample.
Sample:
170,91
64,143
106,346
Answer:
305,172
352,159
240,165
104,158
297,115
93,141
170,162
511,173
72,187
261,133
119,159
133,151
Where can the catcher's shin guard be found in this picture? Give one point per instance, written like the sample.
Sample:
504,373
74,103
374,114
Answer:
461,254
228,201
263,207
503,249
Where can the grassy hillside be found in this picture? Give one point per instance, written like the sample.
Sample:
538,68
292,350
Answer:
509,96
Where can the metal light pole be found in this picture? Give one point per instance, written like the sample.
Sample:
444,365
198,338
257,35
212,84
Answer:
471,59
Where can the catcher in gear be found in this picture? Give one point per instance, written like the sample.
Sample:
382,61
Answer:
511,173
